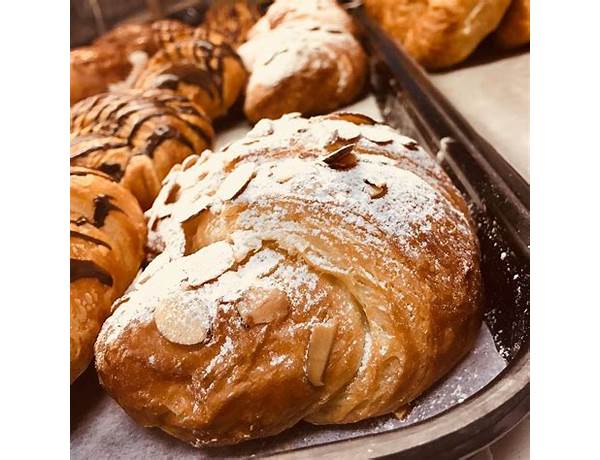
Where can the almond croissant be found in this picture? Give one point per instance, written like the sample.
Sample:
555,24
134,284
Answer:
320,269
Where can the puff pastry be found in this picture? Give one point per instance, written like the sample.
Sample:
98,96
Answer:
438,33
107,239
323,269
137,136
207,72
302,60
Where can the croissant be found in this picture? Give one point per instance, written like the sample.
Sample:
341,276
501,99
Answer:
438,33
107,239
209,73
513,31
137,136
301,66
107,61
322,269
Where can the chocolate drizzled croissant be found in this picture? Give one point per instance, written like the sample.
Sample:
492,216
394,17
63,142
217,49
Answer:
137,136
209,73
232,19
107,238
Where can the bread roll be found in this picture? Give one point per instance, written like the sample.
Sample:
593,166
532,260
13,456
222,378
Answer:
514,28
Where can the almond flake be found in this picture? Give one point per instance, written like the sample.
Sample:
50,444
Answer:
412,145
376,189
356,118
192,208
342,158
319,349
189,162
236,181
208,263
261,306
181,322
347,131
378,134
261,129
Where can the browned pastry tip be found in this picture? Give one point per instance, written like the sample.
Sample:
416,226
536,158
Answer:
320,269
137,136
513,31
438,33
209,74
107,233
232,19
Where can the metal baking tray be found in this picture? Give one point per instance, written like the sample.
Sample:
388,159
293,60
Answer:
485,396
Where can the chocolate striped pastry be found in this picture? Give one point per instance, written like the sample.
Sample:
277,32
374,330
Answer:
137,136
107,239
107,60
209,73
321,269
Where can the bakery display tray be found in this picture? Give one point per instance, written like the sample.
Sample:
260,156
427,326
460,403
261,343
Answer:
484,396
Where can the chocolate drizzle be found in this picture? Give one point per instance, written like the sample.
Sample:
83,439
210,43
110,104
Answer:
88,269
83,236
102,207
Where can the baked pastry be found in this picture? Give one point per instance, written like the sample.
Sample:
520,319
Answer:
107,61
137,136
323,269
231,19
209,73
107,240
514,28
438,33
301,64
320,11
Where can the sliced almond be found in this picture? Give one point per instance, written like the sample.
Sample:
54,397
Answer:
261,306
235,182
189,162
319,349
263,128
376,189
342,158
181,322
208,263
380,134
356,118
174,237
346,131
412,145
284,171
189,209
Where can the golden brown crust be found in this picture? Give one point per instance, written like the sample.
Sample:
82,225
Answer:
107,239
137,136
438,33
209,73
300,62
310,296
514,28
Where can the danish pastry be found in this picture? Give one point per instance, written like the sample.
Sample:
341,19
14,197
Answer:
137,136
514,28
322,269
438,33
209,73
297,64
107,239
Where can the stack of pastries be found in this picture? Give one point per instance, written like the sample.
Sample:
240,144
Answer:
321,269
